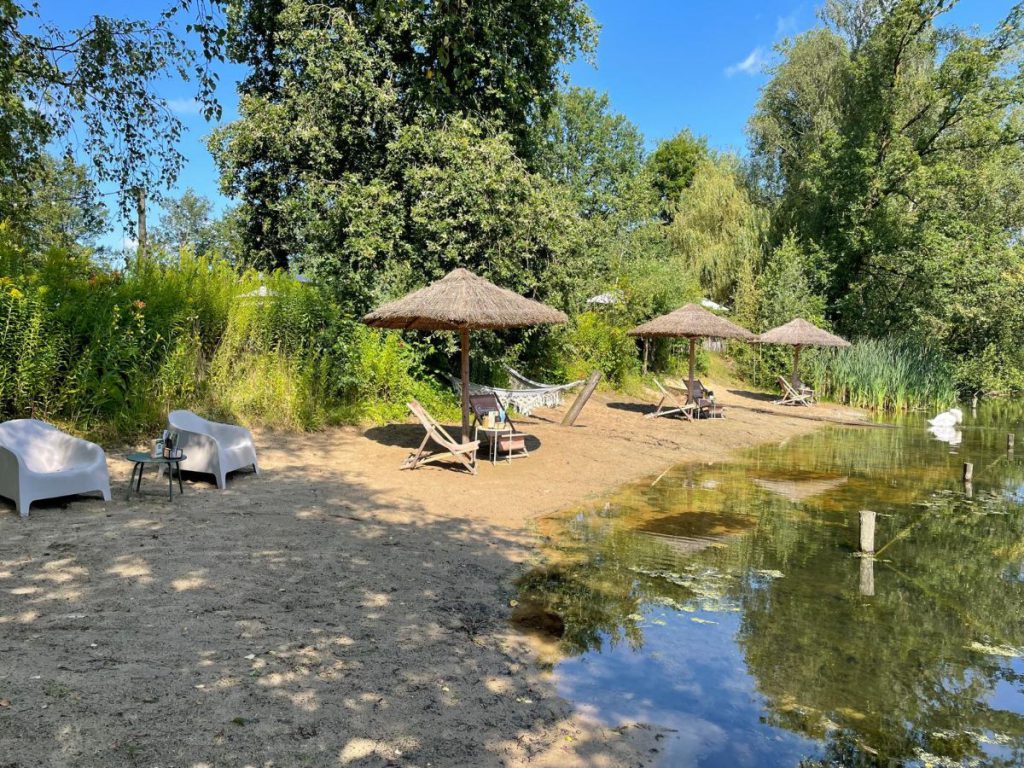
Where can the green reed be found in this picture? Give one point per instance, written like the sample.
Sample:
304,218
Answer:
883,374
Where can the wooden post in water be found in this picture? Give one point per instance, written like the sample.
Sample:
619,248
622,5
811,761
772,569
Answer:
577,406
968,472
867,532
1009,442
867,576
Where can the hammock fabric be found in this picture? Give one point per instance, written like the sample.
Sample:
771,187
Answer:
525,394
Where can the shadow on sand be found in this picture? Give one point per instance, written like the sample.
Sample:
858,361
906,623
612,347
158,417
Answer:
226,628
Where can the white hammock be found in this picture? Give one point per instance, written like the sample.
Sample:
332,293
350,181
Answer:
526,394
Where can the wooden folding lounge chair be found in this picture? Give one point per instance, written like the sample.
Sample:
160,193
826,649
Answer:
462,453
791,396
670,403
704,398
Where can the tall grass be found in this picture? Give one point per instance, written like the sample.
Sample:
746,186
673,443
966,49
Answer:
884,374
110,353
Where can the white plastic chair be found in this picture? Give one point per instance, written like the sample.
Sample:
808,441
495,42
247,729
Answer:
38,461
212,448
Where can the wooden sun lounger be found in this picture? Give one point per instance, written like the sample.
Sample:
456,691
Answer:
704,398
462,453
670,404
791,397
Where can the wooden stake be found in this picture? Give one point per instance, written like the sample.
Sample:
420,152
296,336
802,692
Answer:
968,472
464,344
867,576
1009,442
577,406
867,532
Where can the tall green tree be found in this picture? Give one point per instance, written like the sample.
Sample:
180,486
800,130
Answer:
596,153
673,165
893,145
90,91
186,222
340,94
717,227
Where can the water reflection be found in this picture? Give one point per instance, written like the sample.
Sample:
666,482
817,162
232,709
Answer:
726,602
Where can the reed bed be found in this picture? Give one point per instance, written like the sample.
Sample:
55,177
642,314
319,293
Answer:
883,374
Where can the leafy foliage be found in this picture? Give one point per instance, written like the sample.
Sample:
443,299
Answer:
890,146
110,351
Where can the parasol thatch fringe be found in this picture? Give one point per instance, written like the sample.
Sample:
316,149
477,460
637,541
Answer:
461,300
800,333
691,321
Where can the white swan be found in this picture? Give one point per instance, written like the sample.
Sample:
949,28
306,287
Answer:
949,418
950,435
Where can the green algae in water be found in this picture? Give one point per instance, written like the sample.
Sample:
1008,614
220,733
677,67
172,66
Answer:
727,604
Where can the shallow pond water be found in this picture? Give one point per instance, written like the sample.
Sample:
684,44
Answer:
726,603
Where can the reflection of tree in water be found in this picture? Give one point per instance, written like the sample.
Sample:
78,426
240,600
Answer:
895,673
884,680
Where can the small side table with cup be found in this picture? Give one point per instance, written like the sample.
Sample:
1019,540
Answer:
502,438
165,455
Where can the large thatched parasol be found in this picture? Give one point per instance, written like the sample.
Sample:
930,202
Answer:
691,322
799,333
461,301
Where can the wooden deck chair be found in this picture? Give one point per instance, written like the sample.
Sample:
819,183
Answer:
704,398
670,403
462,453
791,397
488,402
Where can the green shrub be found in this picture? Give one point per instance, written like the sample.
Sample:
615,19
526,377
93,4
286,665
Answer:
594,342
110,354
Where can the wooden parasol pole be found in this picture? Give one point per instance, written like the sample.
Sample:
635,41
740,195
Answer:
796,365
693,352
464,344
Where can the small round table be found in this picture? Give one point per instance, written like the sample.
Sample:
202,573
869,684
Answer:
140,460
494,434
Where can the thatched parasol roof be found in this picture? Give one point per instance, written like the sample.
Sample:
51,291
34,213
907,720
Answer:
800,490
461,300
691,321
800,333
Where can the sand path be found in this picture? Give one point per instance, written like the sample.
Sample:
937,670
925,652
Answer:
332,612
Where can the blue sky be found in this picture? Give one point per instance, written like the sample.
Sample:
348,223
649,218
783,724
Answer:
666,65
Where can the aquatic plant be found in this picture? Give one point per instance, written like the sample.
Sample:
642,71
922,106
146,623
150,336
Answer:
884,374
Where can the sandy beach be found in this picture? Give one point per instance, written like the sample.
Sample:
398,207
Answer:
334,611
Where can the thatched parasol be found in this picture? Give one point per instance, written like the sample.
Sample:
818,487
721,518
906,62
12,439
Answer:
691,322
799,333
461,301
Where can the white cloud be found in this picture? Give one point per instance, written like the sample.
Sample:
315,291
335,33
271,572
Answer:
129,243
184,106
785,25
751,65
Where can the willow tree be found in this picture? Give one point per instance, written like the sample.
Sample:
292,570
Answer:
717,227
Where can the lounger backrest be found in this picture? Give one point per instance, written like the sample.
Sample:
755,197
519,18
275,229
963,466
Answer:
439,433
189,422
786,386
44,448
485,403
